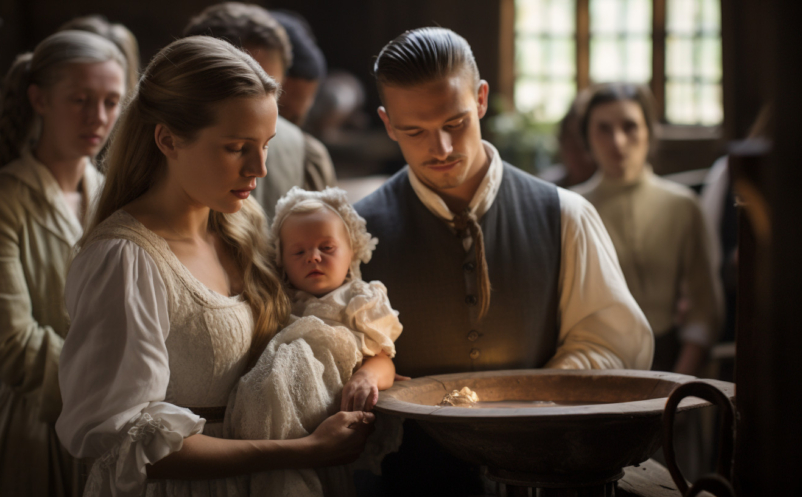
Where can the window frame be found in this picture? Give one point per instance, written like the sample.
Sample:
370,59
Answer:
657,82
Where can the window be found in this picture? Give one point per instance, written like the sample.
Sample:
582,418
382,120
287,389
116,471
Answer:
672,45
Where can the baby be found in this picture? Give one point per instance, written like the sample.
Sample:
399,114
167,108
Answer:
335,353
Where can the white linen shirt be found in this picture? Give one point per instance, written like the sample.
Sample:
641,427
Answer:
601,325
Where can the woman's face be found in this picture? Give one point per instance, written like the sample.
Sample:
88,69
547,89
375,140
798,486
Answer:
79,110
619,139
219,167
315,251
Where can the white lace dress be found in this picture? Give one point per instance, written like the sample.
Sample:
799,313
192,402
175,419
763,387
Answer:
299,378
147,342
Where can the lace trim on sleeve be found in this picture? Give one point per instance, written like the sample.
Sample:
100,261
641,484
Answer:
121,471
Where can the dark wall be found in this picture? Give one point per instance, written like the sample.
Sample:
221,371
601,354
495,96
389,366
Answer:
350,32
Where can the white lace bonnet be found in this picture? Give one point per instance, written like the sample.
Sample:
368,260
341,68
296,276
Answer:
335,200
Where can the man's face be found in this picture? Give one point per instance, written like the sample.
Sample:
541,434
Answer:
619,139
436,124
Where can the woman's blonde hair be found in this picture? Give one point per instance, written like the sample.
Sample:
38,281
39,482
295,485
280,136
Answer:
181,89
42,68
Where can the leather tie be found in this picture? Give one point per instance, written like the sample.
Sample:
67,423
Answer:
465,224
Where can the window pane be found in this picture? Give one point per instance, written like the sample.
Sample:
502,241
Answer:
638,60
710,104
711,16
639,16
605,16
710,58
681,16
562,58
680,102
693,62
679,57
620,40
528,95
605,59
545,57
529,57
561,20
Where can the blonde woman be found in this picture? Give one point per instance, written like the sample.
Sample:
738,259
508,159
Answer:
58,105
172,294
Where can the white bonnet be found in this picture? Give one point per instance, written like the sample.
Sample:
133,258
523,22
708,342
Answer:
334,198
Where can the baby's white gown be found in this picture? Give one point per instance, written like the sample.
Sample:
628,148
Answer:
298,382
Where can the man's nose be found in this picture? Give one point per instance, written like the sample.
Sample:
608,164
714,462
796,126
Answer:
619,139
440,147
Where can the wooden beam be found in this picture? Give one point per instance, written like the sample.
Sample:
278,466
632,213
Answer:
582,44
658,83
506,56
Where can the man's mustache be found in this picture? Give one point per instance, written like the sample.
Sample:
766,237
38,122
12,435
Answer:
449,160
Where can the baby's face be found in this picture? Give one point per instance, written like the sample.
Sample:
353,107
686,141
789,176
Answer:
315,251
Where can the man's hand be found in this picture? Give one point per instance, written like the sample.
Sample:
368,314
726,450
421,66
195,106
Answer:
361,392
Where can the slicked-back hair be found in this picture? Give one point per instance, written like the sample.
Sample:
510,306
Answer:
615,92
424,55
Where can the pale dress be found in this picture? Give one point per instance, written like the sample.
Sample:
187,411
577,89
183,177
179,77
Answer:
38,230
299,378
146,338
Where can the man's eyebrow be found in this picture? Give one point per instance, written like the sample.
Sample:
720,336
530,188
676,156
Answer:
452,118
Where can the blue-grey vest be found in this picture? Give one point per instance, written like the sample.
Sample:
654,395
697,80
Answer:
431,279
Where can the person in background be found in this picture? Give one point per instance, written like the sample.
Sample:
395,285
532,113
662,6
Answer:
308,68
295,159
489,267
57,108
117,34
576,165
656,226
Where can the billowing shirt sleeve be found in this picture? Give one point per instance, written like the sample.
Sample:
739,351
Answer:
114,369
601,325
369,313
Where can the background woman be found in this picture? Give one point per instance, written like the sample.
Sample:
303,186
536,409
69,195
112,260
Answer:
656,226
59,104
172,294
659,235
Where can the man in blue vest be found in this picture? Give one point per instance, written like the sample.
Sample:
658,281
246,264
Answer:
489,267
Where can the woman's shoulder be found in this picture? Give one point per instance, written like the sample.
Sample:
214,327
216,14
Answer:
122,225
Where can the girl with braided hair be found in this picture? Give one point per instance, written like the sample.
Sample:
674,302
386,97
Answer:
57,107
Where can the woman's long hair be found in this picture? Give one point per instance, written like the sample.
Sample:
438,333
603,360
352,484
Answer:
181,89
42,68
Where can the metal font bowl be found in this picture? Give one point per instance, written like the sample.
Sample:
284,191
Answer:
613,420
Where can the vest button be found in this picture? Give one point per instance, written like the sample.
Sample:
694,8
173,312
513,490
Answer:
469,267
473,336
471,299
475,353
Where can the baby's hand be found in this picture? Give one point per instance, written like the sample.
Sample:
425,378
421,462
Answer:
361,392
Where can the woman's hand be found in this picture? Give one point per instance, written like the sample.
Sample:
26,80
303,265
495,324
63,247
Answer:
361,392
340,438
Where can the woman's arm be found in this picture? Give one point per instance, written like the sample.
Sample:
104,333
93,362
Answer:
338,440
114,375
362,391
29,351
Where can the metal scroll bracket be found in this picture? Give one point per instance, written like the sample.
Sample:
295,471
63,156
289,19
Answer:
718,483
